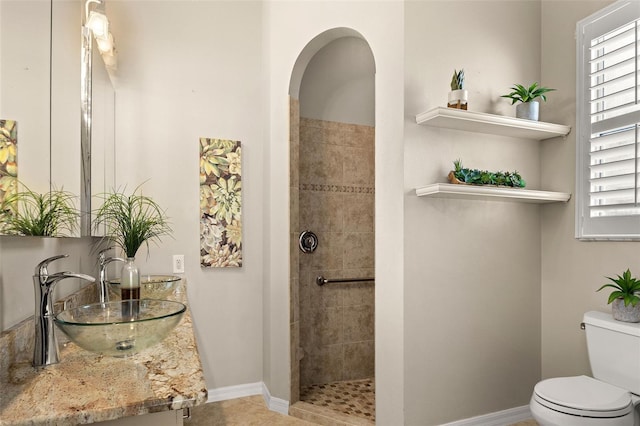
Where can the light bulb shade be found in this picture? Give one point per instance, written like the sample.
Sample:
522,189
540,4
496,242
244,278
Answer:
105,44
98,23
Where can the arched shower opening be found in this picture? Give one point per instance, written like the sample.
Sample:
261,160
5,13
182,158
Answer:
332,193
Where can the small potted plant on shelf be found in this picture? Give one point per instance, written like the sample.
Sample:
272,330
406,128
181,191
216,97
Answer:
626,306
458,96
464,175
529,108
29,213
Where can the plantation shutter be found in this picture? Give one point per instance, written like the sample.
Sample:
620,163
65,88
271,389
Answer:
609,124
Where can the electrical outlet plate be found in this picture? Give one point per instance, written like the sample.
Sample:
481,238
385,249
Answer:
178,263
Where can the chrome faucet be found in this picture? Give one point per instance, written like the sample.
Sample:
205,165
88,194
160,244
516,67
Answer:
45,350
103,287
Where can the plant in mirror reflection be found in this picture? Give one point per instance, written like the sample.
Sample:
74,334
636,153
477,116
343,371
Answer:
52,214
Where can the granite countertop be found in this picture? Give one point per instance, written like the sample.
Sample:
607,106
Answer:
86,388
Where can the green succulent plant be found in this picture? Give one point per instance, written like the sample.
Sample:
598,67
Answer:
457,81
485,177
131,220
527,94
52,214
626,288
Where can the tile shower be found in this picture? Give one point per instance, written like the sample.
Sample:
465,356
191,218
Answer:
332,194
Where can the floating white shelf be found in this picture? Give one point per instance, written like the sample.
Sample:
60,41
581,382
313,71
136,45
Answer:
481,122
476,192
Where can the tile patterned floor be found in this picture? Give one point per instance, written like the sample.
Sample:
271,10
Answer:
252,411
354,398
248,411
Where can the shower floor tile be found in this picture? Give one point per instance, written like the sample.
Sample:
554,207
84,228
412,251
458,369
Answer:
351,397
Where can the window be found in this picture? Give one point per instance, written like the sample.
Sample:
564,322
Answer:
608,128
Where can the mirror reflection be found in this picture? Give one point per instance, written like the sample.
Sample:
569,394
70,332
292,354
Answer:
40,90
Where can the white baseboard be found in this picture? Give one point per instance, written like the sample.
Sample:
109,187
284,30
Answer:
237,391
275,404
249,389
499,418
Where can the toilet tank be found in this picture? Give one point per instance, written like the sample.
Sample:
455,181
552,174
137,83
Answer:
614,350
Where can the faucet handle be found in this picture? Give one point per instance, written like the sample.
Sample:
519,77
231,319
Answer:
41,269
102,256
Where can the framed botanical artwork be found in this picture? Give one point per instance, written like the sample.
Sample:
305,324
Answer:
8,159
220,203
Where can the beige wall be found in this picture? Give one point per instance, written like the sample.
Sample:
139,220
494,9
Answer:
572,270
189,70
472,268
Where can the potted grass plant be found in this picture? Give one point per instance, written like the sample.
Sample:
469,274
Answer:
529,107
624,298
29,213
131,220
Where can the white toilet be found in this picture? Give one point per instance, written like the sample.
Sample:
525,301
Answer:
612,397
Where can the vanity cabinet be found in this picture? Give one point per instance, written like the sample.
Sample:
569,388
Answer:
478,122
164,418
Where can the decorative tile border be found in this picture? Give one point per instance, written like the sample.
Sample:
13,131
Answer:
337,188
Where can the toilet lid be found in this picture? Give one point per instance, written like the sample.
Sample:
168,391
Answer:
584,393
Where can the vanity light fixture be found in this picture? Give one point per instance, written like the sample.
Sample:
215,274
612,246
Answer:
96,21
105,44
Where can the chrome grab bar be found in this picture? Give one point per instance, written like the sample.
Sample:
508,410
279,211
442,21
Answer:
320,280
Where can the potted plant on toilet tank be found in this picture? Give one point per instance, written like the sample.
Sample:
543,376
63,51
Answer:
528,107
626,303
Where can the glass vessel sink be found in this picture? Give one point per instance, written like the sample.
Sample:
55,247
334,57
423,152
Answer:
151,286
120,328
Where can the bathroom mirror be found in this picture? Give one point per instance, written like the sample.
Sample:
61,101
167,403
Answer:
25,89
97,132
41,89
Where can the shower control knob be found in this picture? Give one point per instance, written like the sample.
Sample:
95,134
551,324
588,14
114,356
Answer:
308,241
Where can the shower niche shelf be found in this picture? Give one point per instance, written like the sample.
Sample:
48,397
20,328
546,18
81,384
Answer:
491,193
481,122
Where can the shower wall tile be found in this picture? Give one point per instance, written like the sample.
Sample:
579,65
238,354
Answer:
328,255
359,166
321,211
294,183
328,295
294,294
363,137
303,290
325,326
306,123
359,250
359,360
358,323
321,164
294,256
322,365
310,134
362,293
337,202
294,331
359,212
